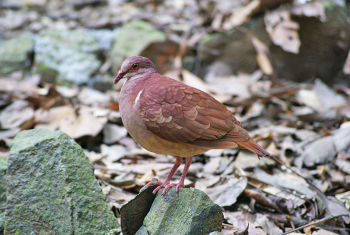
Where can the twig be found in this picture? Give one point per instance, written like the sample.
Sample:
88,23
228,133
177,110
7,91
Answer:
319,193
313,223
294,171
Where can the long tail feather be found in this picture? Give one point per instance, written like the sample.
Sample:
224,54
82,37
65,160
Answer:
252,146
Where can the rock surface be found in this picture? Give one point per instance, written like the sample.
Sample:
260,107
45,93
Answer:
133,213
132,39
14,53
3,167
66,55
52,188
189,212
318,57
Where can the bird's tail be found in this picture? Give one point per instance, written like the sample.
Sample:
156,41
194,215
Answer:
252,146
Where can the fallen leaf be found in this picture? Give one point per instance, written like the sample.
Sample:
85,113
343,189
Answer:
19,114
241,15
94,98
319,151
324,149
282,30
112,133
113,153
345,198
328,98
226,194
83,121
262,56
346,67
310,9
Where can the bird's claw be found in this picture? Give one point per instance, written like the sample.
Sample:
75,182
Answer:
165,185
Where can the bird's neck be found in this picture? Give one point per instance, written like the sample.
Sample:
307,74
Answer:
134,84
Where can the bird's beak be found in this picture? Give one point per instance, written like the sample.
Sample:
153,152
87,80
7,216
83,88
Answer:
119,76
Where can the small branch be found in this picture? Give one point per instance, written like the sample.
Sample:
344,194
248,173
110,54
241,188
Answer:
320,195
313,223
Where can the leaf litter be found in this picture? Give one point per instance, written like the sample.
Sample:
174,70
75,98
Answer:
305,125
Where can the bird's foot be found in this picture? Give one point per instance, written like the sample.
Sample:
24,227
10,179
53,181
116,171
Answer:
165,185
178,185
152,183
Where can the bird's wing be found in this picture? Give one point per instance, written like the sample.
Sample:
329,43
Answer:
179,113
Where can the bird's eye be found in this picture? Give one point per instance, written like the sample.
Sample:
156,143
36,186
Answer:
135,66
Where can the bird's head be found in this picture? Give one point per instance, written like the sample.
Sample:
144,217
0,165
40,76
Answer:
134,66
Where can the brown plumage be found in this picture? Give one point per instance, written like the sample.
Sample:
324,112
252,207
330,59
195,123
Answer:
169,117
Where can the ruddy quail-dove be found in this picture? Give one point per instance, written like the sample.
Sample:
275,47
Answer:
166,116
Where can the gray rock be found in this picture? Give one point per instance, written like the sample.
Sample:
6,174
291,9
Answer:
132,39
133,213
14,53
321,57
3,168
51,188
188,212
66,55
104,37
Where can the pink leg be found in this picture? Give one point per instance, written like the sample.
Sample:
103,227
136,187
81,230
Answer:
183,176
168,178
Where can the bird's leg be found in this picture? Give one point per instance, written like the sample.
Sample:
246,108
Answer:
168,178
183,176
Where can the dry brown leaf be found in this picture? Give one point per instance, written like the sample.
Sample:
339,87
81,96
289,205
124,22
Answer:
112,133
94,98
262,56
259,224
226,194
82,121
113,153
283,30
346,68
310,9
19,114
18,89
241,15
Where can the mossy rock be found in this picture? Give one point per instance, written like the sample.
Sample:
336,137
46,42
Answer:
14,53
322,54
66,55
51,188
132,40
187,212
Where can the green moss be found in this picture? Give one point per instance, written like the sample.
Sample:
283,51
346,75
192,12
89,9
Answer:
66,55
14,53
133,38
189,212
52,189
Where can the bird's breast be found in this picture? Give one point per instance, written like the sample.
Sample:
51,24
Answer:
133,122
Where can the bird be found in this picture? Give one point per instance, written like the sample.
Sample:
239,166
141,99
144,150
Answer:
166,116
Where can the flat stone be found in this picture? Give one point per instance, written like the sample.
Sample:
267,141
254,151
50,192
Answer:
51,188
66,55
132,39
14,53
188,212
133,213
